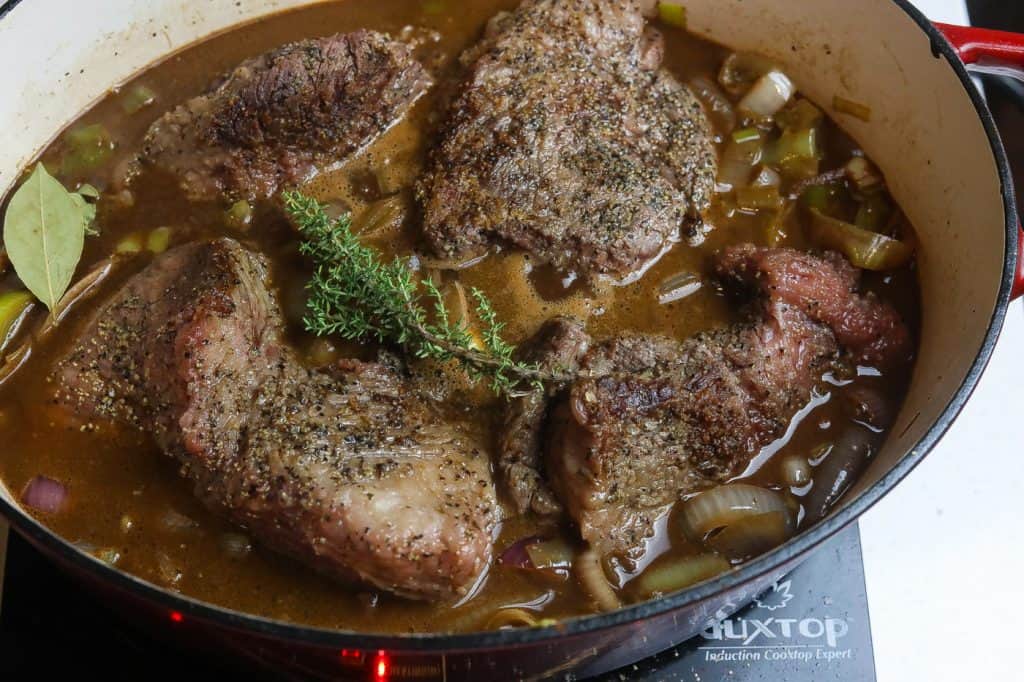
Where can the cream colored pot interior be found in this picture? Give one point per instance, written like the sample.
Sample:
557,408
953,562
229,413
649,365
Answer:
59,56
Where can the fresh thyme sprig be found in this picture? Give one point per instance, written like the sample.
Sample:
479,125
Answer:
354,295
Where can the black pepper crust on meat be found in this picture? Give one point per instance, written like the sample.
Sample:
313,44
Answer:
650,419
343,469
557,346
280,117
569,141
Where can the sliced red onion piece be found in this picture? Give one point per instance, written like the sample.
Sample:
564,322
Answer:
44,494
517,556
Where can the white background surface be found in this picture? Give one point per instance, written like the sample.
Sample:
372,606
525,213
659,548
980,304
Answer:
943,552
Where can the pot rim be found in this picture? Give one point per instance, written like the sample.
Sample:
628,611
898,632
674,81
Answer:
764,565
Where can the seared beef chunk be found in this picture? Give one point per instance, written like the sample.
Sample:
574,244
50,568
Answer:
872,332
568,140
650,419
280,117
558,346
344,470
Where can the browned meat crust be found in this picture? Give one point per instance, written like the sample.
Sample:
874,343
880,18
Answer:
558,346
280,117
568,140
344,470
651,420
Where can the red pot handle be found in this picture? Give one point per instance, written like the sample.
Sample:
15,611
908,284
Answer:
1000,52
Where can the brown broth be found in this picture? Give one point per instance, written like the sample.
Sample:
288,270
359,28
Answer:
118,479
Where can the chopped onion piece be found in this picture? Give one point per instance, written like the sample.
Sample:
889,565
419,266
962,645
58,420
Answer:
835,468
679,286
770,93
174,521
796,471
669,576
591,574
741,154
863,174
511,618
753,535
768,177
381,218
553,554
741,69
855,109
758,198
864,249
727,504
45,495
235,545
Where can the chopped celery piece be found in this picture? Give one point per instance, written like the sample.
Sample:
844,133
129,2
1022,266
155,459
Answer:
14,305
130,244
855,109
818,197
434,6
758,198
874,212
672,14
800,169
866,250
87,147
792,146
800,115
239,216
745,135
137,99
832,199
159,239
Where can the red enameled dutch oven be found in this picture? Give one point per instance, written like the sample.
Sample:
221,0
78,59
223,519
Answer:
930,131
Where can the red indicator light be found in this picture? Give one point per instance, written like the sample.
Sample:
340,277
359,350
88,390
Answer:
177,617
380,667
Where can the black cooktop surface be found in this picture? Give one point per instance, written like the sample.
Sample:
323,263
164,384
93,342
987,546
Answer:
811,626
